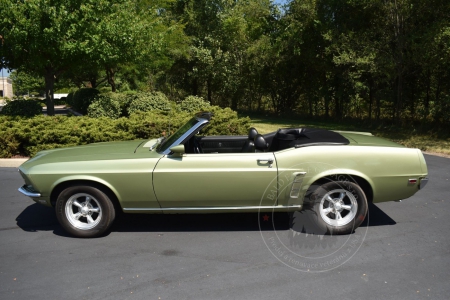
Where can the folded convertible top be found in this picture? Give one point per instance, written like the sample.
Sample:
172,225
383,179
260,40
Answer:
302,137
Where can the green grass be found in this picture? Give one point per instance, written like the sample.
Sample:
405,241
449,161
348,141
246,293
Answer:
427,140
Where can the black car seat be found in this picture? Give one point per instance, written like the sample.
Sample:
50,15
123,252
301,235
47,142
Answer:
260,143
249,145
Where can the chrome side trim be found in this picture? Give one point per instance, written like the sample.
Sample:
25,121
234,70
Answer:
26,192
296,185
212,208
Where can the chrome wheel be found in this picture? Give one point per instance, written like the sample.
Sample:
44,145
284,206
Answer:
83,211
338,207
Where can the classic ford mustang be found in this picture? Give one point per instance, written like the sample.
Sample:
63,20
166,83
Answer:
333,175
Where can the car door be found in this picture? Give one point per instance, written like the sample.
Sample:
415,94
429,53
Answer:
216,180
222,144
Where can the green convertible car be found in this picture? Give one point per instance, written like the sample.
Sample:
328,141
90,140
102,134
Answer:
332,175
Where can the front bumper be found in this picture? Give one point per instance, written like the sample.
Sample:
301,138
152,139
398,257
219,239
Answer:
28,191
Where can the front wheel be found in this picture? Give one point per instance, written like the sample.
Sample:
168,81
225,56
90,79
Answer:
337,207
84,211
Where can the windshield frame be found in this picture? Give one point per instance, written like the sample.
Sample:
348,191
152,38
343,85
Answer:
190,128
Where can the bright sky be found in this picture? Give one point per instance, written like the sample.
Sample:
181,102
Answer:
4,73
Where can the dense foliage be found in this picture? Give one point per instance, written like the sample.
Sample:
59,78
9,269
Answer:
54,38
369,59
104,106
27,136
82,98
194,104
147,102
25,108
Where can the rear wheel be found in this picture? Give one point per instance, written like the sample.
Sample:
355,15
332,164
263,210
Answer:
337,207
84,211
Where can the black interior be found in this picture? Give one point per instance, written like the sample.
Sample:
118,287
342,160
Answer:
249,145
303,137
275,141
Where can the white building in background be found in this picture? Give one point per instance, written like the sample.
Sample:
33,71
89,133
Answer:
6,89
59,96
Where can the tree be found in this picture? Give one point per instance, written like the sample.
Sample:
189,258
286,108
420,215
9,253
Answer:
24,83
51,37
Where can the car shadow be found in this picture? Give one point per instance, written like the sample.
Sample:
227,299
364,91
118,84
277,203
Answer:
377,217
36,218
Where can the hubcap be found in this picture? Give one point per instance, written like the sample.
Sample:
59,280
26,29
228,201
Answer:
83,211
338,207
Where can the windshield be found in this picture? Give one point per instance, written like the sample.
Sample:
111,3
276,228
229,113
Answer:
169,142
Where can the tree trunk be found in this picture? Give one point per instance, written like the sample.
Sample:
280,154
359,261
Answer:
327,106
195,87
234,102
274,101
427,98
208,83
437,100
399,95
93,82
310,105
49,84
370,100
412,101
110,74
378,110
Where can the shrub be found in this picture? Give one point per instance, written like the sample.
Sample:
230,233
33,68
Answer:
124,100
82,98
9,145
104,106
143,102
194,104
61,101
27,136
25,108
105,89
69,99
226,122
155,123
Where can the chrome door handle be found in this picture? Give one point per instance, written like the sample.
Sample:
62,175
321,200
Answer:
269,160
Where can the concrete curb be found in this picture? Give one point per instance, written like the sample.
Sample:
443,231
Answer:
73,112
11,162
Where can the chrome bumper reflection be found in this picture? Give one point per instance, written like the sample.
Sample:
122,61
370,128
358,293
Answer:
423,183
29,193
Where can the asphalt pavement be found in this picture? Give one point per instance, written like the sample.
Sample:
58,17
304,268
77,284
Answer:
402,252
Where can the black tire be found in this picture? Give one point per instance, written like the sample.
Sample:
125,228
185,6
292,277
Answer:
324,204
84,211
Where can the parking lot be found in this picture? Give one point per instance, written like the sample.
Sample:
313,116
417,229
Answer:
401,252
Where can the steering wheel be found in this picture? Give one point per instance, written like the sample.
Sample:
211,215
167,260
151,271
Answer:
197,148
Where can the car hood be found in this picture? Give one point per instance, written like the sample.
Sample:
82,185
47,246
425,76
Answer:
91,152
367,139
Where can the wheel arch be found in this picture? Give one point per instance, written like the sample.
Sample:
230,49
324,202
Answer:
93,182
360,180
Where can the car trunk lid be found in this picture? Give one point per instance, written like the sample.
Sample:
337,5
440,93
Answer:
367,139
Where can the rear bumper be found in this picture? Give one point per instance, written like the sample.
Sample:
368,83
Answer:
423,182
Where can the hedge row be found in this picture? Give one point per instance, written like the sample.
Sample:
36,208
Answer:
26,108
112,105
116,105
27,136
